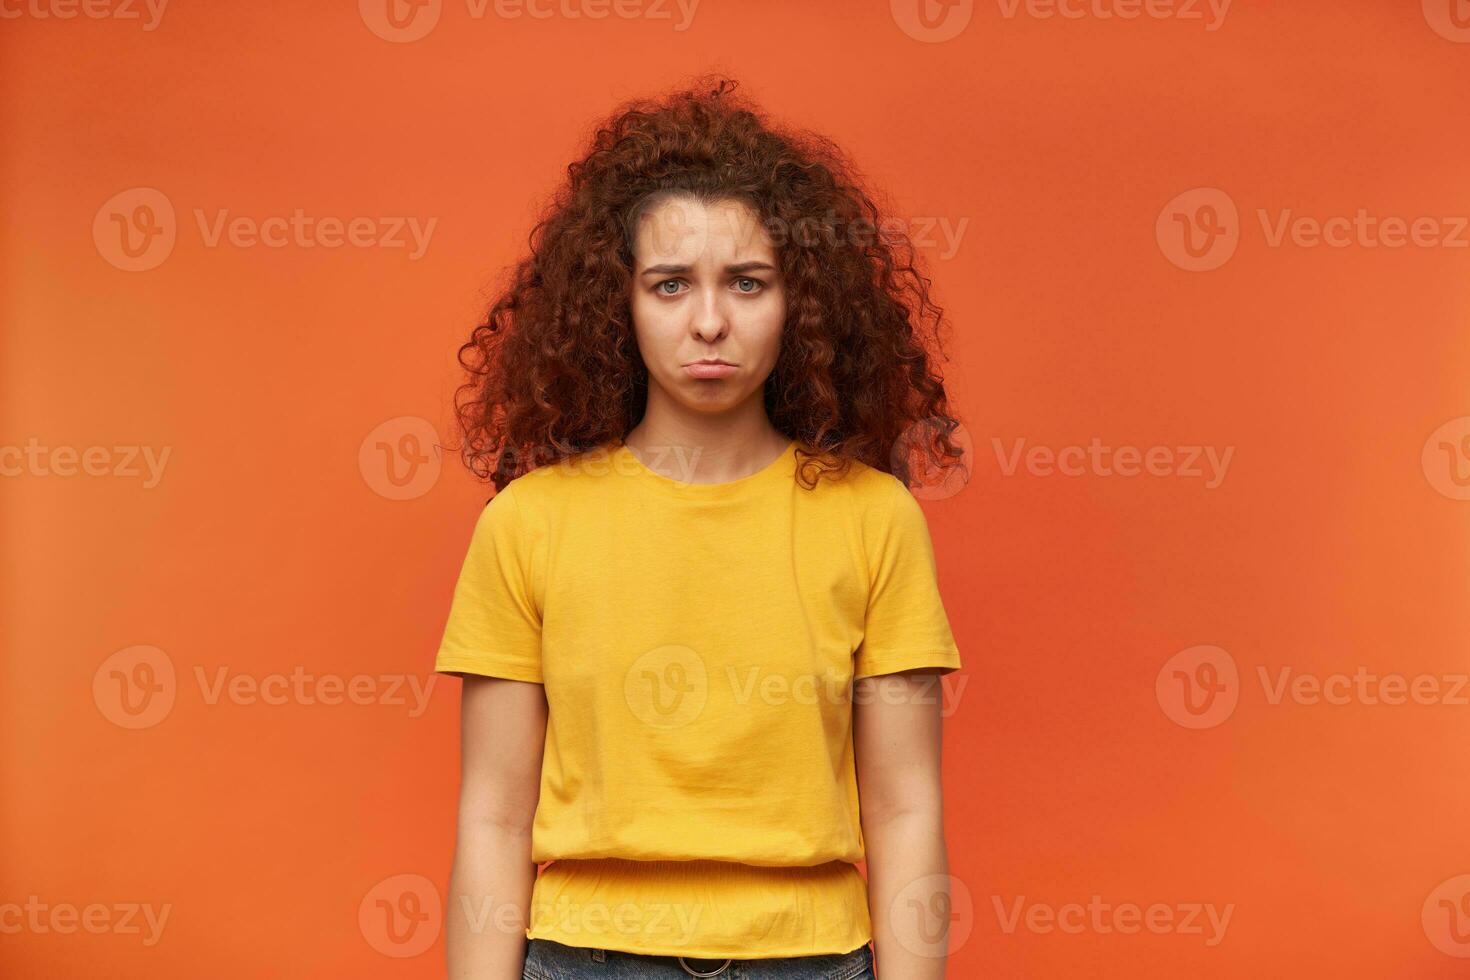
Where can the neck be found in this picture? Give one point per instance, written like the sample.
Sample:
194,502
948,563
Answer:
718,447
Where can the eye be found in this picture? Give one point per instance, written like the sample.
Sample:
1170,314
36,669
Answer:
659,287
756,282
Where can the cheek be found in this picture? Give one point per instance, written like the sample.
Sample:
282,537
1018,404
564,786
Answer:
770,323
639,308
656,331
645,317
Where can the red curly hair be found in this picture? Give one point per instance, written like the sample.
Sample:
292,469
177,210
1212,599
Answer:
554,368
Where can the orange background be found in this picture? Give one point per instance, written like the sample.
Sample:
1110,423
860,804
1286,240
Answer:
1329,544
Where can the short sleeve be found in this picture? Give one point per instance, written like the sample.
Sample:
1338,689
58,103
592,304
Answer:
906,626
494,626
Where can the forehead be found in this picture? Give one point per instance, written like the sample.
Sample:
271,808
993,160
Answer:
687,231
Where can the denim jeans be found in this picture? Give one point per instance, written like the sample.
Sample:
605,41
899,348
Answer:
550,960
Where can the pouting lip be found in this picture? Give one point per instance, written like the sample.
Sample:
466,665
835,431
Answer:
710,360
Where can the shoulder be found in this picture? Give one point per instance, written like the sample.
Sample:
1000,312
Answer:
877,504
889,518
555,482
875,493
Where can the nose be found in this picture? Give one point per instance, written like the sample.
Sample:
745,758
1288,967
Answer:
709,318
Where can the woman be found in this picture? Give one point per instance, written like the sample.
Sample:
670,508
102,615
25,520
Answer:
695,620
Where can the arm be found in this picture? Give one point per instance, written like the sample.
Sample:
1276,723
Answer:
503,729
897,730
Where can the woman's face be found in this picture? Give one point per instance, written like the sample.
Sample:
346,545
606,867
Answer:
706,285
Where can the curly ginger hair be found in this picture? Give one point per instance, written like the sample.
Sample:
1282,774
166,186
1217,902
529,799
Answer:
554,368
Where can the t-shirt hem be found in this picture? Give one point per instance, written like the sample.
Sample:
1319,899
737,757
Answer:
702,907
714,951
486,668
943,662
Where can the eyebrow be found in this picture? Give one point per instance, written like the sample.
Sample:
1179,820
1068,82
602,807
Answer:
734,270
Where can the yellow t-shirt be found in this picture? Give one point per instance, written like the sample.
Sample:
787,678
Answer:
697,644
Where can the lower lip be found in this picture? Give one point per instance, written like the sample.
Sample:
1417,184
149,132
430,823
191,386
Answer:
710,370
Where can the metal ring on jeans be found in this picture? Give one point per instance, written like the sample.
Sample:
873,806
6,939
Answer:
693,973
